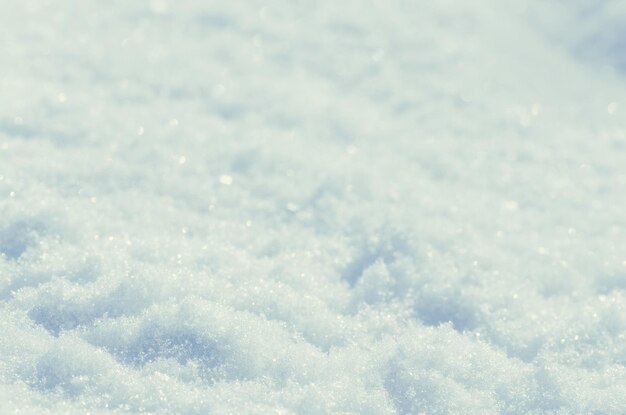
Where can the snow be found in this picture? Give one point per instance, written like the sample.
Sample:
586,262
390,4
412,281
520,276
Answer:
312,207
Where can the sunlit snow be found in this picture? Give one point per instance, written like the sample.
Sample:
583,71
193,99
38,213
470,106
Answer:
312,207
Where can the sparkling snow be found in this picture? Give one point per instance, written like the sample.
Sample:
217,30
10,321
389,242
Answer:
355,207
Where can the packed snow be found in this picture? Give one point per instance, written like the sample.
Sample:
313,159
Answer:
312,207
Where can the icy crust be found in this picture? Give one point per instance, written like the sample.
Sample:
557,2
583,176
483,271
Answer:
308,208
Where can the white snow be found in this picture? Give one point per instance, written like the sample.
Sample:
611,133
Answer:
312,207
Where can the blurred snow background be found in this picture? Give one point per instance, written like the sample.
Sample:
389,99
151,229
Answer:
312,207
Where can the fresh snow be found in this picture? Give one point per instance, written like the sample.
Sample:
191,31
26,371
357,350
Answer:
312,207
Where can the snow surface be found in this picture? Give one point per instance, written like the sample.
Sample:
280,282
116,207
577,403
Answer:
356,207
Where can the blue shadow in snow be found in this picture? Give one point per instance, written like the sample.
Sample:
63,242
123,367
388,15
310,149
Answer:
17,237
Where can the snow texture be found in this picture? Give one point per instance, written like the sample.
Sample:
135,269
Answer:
312,207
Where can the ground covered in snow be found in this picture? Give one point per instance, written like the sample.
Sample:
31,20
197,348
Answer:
309,207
